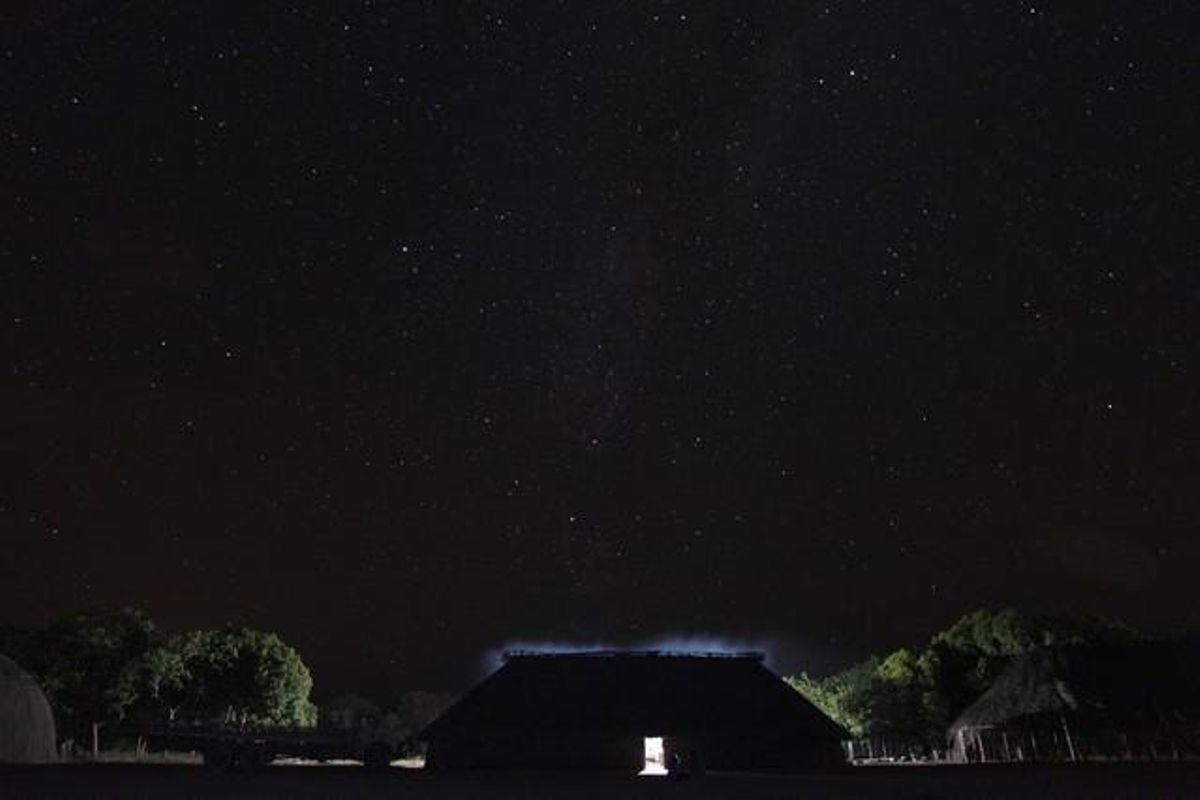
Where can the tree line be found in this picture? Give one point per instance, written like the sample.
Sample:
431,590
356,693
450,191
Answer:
110,667
914,694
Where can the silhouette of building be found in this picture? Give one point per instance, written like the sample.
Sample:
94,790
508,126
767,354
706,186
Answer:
625,710
26,722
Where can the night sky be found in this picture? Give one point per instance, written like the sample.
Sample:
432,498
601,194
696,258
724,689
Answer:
410,329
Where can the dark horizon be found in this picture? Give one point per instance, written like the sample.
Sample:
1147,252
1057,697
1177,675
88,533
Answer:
407,330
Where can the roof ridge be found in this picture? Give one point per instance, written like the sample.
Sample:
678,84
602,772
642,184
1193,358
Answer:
749,655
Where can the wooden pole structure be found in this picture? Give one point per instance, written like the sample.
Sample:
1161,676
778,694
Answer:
1067,732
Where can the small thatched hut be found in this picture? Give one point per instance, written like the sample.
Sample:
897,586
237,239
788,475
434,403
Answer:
1111,702
622,710
26,721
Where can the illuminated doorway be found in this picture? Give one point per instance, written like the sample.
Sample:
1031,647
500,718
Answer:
655,759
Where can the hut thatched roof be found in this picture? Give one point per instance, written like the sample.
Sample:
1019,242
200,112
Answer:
1132,682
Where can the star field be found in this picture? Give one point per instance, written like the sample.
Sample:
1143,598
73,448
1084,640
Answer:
406,329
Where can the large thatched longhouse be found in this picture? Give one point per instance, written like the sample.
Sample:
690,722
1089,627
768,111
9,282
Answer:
621,710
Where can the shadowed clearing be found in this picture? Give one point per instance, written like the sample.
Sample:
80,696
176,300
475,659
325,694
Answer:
103,781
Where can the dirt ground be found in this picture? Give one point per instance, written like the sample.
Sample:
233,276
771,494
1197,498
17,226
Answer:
134,782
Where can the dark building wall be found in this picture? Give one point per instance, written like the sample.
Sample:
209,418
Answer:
537,750
750,750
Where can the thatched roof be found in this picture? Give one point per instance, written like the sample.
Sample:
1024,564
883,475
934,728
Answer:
1133,682
26,722
645,694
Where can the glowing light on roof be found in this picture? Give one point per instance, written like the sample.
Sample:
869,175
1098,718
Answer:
748,654
665,646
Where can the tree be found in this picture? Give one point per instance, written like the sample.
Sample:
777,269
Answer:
844,697
902,667
873,698
899,698
87,666
163,682
246,677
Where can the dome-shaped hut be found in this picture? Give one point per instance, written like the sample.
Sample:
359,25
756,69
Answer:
26,721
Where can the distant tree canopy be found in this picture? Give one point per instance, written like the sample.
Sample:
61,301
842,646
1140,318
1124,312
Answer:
399,721
245,677
916,694
416,709
110,666
350,712
412,711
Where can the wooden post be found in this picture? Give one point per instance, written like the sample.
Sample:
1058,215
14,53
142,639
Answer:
1004,739
1067,732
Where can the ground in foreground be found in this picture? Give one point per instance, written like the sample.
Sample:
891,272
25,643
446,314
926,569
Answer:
102,781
